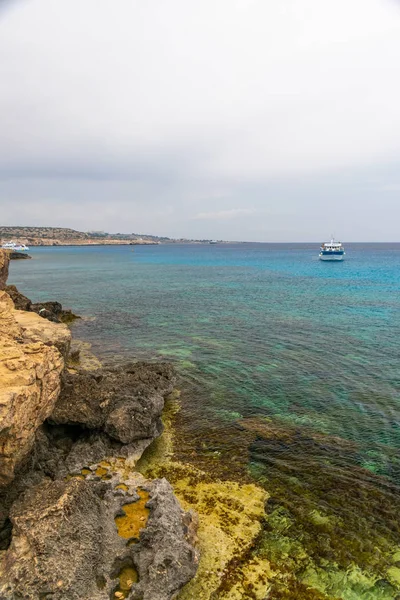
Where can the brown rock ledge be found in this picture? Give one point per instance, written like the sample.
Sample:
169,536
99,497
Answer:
31,362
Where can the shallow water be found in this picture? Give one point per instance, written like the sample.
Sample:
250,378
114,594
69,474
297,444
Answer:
290,371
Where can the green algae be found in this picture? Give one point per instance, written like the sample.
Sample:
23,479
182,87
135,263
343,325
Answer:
326,527
331,529
183,353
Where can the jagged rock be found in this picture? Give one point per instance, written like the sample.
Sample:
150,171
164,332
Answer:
125,402
53,311
21,302
35,329
19,255
61,450
57,536
30,368
4,263
163,562
67,544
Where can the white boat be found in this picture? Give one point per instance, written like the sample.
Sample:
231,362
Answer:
15,247
332,251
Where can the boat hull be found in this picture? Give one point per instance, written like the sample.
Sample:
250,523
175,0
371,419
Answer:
331,257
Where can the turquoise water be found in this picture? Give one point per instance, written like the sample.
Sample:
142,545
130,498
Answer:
262,329
261,333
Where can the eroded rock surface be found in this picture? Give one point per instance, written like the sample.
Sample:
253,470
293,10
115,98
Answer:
96,539
21,302
53,311
125,402
30,367
4,263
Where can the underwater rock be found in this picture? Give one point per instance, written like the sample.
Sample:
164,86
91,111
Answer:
125,402
68,540
81,357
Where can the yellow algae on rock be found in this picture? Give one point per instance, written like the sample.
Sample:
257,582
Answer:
161,449
122,486
101,472
135,517
230,519
127,577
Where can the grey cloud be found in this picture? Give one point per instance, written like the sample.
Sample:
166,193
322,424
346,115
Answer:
174,116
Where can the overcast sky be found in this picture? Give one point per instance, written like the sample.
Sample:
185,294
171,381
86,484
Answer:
258,120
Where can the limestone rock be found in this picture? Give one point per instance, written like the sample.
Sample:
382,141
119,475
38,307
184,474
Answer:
4,263
35,329
161,550
125,402
57,535
30,368
53,311
70,541
21,302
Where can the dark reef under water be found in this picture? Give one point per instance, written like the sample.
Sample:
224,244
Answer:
332,528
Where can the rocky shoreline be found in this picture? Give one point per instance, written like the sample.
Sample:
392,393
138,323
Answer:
186,533
76,519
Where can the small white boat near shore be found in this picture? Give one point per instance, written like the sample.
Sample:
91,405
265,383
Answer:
14,247
332,251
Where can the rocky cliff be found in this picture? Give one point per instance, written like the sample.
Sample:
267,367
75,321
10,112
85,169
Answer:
4,263
76,521
32,352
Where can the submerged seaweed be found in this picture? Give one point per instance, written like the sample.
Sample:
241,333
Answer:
331,528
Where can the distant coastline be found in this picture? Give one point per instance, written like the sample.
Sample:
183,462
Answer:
62,236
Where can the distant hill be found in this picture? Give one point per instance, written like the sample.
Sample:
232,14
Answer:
47,233
63,236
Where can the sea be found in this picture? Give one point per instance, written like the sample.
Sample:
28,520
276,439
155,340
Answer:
290,376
